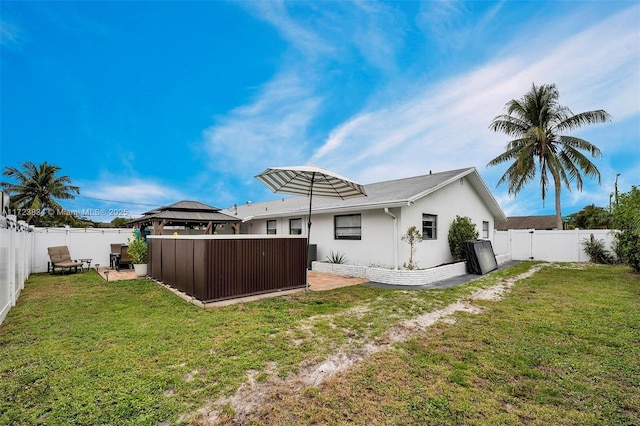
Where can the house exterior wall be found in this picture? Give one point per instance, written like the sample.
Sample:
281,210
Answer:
458,198
376,246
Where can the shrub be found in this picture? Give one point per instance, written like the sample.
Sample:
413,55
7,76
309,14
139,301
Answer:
596,251
462,229
336,257
413,237
626,219
138,249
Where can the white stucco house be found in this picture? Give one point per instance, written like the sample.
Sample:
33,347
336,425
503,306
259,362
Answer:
368,230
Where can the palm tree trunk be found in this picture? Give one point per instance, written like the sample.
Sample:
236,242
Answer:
558,184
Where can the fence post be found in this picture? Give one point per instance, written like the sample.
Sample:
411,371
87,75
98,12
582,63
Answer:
531,231
11,267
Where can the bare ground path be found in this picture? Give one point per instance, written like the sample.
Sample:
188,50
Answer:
253,394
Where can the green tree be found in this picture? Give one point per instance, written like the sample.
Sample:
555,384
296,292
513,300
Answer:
119,222
537,122
413,237
591,217
35,189
626,219
462,229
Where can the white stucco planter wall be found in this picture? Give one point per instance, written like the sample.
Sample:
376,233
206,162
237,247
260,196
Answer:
391,276
399,277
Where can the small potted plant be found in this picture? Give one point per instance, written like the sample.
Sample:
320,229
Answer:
138,253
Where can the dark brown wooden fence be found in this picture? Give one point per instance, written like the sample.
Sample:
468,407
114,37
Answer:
218,269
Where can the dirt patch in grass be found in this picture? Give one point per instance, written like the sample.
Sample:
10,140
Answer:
253,394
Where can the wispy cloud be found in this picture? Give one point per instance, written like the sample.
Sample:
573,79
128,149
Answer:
374,30
410,125
296,33
445,125
11,36
135,191
452,25
265,132
277,124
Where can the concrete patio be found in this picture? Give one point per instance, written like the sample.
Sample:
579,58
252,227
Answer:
317,281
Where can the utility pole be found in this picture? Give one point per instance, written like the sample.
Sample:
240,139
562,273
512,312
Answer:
610,197
616,186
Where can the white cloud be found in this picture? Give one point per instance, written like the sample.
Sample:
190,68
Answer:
412,126
265,132
275,126
377,32
296,33
11,36
445,124
321,34
142,194
337,136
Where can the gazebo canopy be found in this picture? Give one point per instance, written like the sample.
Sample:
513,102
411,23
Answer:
184,213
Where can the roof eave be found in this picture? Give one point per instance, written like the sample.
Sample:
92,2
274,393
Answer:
305,211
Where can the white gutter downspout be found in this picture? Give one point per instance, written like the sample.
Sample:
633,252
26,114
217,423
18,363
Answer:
395,237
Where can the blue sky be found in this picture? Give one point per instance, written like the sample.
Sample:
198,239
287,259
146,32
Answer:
150,103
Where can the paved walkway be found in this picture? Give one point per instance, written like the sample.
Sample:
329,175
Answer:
113,275
447,283
317,281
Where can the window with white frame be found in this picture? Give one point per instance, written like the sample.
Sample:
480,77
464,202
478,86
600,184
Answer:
348,227
485,229
271,227
295,226
429,227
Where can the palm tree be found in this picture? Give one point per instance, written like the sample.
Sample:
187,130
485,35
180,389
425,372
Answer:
36,188
537,123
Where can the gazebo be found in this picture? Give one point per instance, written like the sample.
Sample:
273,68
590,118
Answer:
187,214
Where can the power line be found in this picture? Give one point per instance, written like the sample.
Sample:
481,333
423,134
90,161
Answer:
120,202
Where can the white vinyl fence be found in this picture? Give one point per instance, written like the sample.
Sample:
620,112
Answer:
551,246
83,243
16,252
23,249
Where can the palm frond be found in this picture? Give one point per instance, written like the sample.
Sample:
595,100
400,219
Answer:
510,126
578,143
578,120
538,122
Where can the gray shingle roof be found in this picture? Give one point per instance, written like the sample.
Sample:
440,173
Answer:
186,206
392,193
528,222
185,212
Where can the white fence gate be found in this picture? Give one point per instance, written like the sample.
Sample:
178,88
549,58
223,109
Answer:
551,246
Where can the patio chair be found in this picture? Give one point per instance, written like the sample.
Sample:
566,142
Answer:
114,254
60,258
119,256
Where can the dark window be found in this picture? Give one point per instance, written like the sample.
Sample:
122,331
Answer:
295,226
485,229
429,227
348,227
271,227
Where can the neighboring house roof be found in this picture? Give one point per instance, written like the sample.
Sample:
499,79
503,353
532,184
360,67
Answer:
186,212
527,222
393,193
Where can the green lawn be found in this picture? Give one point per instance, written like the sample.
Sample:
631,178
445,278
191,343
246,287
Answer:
563,346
